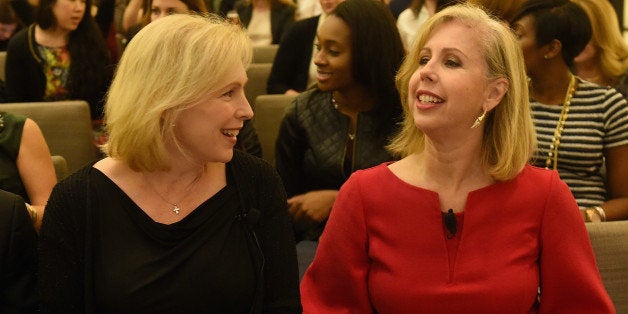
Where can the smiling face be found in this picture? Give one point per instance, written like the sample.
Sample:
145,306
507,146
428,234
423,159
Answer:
449,88
68,14
333,56
208,130
162,8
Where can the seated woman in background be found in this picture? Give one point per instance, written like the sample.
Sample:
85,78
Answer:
604,60
26,168
10,24
173,220
581,127
266,21
293,67
18,245
156,9
62,56
343,124
461,224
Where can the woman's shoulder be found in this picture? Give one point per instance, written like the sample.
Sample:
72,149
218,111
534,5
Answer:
537,178
253,166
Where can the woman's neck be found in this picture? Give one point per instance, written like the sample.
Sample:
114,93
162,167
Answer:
452,168
52,37
356,99
551,89
590,71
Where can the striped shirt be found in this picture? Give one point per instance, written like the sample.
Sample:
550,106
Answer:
597,120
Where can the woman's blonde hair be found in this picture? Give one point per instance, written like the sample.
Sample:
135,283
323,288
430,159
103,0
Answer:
509,138
169,65
612,51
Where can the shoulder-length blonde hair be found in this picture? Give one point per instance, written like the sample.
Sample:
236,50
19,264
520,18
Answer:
509,138
168,66
612,51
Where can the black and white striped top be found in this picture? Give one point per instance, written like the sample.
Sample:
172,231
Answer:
597,120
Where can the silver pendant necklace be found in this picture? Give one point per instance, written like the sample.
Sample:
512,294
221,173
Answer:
176,209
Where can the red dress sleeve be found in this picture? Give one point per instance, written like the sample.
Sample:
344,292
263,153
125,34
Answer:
336,281
570,280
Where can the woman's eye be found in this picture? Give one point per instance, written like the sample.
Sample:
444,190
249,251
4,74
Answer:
333,52
154,11
452,63
423,60
228,94
318,47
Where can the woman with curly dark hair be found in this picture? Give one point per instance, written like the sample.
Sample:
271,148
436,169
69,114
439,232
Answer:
61,56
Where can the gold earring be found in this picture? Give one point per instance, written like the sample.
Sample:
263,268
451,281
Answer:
478,121
546,56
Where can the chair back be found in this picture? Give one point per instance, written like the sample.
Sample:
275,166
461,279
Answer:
258,74
3,60
264,54
61,166
66,126
269,111
610,245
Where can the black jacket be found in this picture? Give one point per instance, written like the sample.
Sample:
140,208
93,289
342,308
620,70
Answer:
292,61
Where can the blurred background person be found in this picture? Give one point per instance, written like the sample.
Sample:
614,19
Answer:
266,21
293,67
461,224
26,168
62,56
582,128
504,10
10,24
18,252
604,60
173,220
343,124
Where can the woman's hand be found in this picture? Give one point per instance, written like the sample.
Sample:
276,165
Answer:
313,205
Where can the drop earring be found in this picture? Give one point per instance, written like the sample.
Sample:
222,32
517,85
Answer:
478,121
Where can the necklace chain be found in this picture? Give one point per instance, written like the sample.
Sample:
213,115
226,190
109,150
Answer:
176,208
350,135
552,154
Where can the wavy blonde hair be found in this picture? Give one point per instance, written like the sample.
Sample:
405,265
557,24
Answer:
612,51
509,138
168,66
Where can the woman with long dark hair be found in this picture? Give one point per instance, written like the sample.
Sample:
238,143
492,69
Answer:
61,56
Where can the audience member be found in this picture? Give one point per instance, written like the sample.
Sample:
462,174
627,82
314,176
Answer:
461,224
160,8
18,256
344,123
9,24
604,60
26,168
266,21
293,68
62,56
173,220
411,19
582,128
504,10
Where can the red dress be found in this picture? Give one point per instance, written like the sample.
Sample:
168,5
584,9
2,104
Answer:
384,249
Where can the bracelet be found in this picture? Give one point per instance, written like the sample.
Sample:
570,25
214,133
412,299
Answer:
32,212
600,211
591,215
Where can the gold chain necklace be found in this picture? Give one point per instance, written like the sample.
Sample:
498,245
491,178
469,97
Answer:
552,154
175,205
351,134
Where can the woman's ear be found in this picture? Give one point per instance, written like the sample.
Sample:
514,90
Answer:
496,91
552,49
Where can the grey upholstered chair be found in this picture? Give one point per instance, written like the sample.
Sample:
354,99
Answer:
66,126
269,111
610,244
